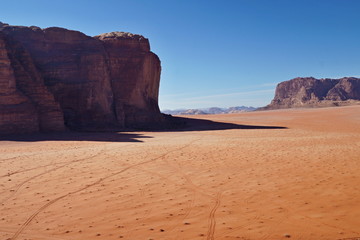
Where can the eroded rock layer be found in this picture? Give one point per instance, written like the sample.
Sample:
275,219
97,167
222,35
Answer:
55,78
312,92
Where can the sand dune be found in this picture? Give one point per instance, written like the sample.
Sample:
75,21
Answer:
300,182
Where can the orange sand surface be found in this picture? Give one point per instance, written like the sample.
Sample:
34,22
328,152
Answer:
302,182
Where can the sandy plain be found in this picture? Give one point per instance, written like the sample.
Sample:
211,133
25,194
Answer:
298,182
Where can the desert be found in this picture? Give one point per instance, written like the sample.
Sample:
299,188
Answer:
280,174
241,120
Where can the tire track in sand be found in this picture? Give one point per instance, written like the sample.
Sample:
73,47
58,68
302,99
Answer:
42,208
249,223
212,220
41,153
17,188
190,187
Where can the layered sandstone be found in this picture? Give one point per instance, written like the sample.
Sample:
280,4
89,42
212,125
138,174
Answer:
134,76
17,113
68,79
312,92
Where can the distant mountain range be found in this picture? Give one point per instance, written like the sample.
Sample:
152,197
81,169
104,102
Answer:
212,110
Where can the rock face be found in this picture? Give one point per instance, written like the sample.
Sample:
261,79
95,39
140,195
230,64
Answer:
134,73
311,92
52,79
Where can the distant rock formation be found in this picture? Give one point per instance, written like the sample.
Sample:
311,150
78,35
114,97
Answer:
53,78
311,92
212,110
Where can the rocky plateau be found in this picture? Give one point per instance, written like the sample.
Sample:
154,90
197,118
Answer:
312,92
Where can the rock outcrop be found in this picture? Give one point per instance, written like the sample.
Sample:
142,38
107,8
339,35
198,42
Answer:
311,92
134,75
52,79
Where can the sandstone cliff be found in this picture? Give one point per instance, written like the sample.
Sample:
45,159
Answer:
311,92
55,78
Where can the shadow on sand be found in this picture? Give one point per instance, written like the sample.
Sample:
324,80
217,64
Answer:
178,124
190,124
77,136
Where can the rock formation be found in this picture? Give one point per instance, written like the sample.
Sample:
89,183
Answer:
311,92
53,78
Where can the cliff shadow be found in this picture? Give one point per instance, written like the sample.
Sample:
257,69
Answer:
172,124
77,136
183,124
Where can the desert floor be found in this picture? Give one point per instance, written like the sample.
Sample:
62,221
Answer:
298,182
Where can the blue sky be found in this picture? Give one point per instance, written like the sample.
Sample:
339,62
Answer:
218,53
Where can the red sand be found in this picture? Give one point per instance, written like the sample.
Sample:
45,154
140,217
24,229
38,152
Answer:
299,183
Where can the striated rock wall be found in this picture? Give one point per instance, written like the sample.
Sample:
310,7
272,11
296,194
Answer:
312,92
134,76
17,112
31,84
84,83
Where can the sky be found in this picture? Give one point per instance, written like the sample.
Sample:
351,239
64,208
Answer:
218,53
